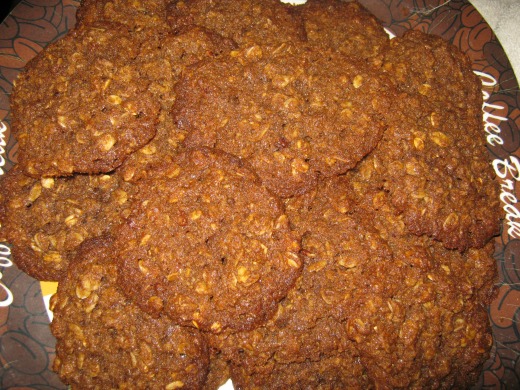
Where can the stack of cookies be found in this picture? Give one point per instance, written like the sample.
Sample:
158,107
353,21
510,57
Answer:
271,193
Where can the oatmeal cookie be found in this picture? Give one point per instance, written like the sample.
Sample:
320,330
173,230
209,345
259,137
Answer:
336,244
343,371
135,14
408,319
308,333
303,337
425,327
292,116
289,337
105,341
218,373
270,355
179,262
412,309
47,219
207,244
78,105
163,60
266,23
432,159
342,26
476,264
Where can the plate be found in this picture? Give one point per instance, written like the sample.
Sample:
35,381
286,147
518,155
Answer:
26,344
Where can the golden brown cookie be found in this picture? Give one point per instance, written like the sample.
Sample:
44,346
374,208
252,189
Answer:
45,220
207,244
162,60
303,345
268,23
218,373
292,116
371,272
105,341
432,159
82,105
338,372
306,343
342,26
390,306
416,322
135,14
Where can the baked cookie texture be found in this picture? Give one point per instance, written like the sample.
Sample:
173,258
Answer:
276,194
374,300
43,239
428,326
106,341
207,244
268,23
293,116
134,14
432,159
287,110
92,113
342,26
47,219
164,59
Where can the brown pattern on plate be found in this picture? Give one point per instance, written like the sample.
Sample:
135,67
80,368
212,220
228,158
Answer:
35,23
